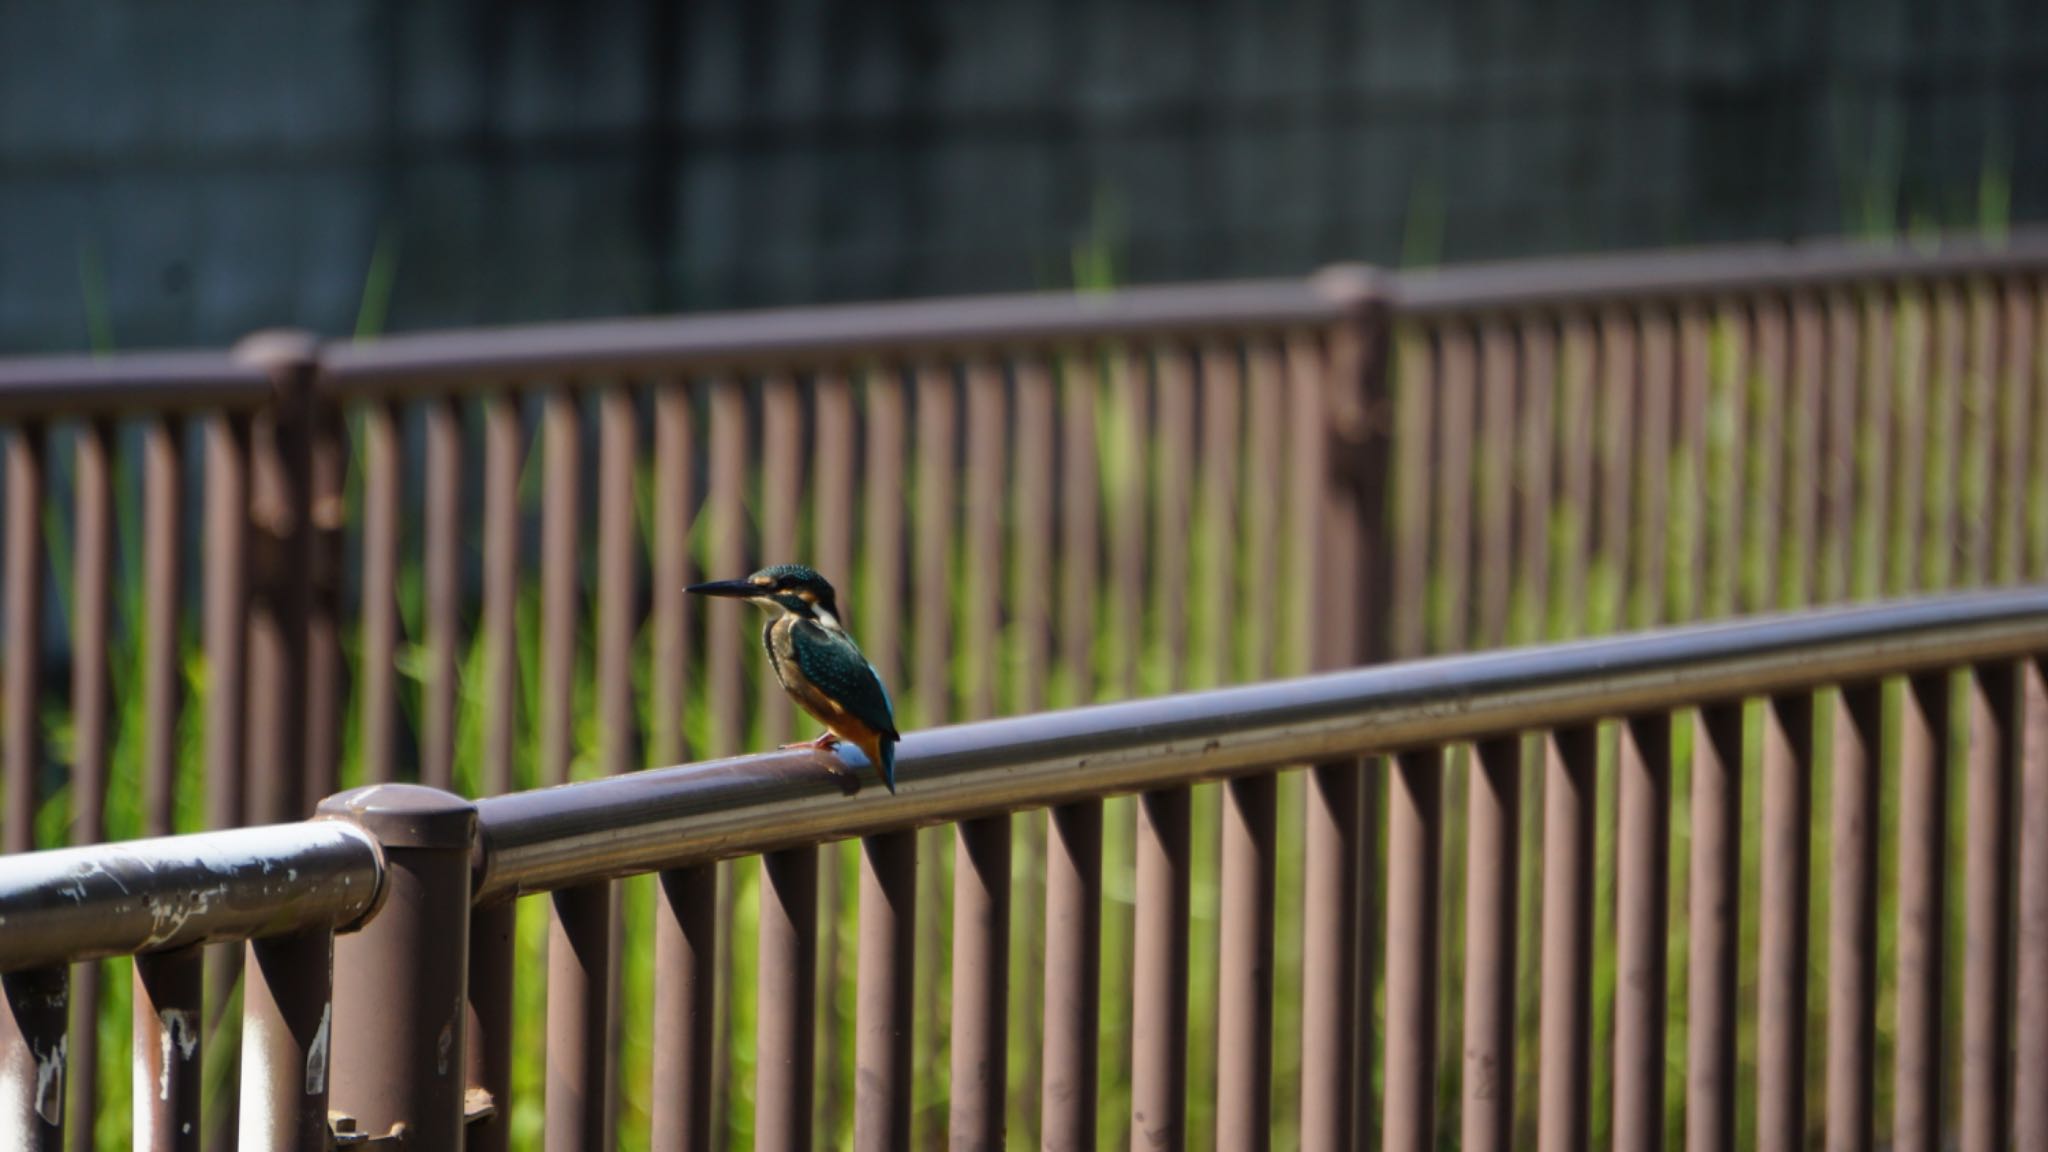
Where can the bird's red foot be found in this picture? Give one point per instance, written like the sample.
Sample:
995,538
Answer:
824,741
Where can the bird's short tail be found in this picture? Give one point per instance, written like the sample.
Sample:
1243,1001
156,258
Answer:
887,762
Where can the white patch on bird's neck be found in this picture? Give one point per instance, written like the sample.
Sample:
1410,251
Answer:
827,619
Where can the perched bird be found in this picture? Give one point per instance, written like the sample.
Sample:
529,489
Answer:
817,661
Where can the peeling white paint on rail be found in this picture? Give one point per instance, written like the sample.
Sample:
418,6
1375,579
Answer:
316,1055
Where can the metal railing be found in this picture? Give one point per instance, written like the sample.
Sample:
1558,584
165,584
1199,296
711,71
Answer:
1033,500
423,883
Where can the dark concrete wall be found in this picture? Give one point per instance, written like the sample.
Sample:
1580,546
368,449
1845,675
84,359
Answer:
182,173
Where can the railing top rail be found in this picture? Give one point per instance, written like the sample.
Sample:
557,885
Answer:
70,387
1705,273
154,895
545,839
836,336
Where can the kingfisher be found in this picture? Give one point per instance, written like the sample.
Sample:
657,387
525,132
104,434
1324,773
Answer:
817,661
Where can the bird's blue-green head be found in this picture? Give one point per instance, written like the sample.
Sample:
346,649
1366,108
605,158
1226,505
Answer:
790,588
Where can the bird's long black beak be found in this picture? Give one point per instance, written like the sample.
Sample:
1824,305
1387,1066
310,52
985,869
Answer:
732,589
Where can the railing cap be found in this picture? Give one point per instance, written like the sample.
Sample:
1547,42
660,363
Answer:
405,815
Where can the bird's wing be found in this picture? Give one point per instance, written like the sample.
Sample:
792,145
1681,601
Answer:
833,662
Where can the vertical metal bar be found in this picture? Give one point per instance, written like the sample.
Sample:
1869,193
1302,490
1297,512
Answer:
1159,1078
882,531
166,1043
981,981
834,429
1244,986
1129,387
883,1025
327,460
2011,484
1534,447
1694,435
674,509
382,460
1923,853
1909,434
1763,549
1452,525
1329,966
1942,520
1266,395
1877,339
33,1057
1080,548
1175,437
1222,385
280,461
1577,408
443,577
1996,716
163,585
22,747
1643,875
1852,918
1413,414
2030,1081
1414,949
504,450
1715,927
561,516
1788,824
1493,888
1570,791
617,601
289,1027
1978,455
781,474
1073,975
1804,474
92,535
226,604
1654,514
987,431
724,673
685,954
579,1011
493,949
1493,579
788,989
938,503
401,982
1732,477
1032,598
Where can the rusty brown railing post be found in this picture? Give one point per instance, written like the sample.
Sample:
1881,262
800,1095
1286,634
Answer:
1358,409
35,1006
401,984
295,512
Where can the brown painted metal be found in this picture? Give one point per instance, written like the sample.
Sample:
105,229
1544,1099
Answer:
1840,412
883,1023
401,982
1576,403
1493,891
377,695
981,983
782,467
579,1014
1457,372
323,577
1613,540
938,506
1128,386
33,388
1073,975
785,1059
1643,876
34,1008
1731,474
442,573
1217,469
1979,452
986,485
2030,1076
1994,765
1244,1012
880,604
92,902
1266,388
91,557
20,738
166,1031
1695,382
225,594
685,949
1536,444
2013,374
1942,523
493,949
504,452
560,543
162,599
675,454
617,583
1923,834
280,580
1654,423
1910,386
1565,1048
1493,527
1329,965
1173,437
1788,765
1159,1074
293,1032
1414,949
1877,342
1852,918
1080,510
1770,363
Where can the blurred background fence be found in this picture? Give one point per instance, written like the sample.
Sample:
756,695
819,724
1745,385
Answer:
237,582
